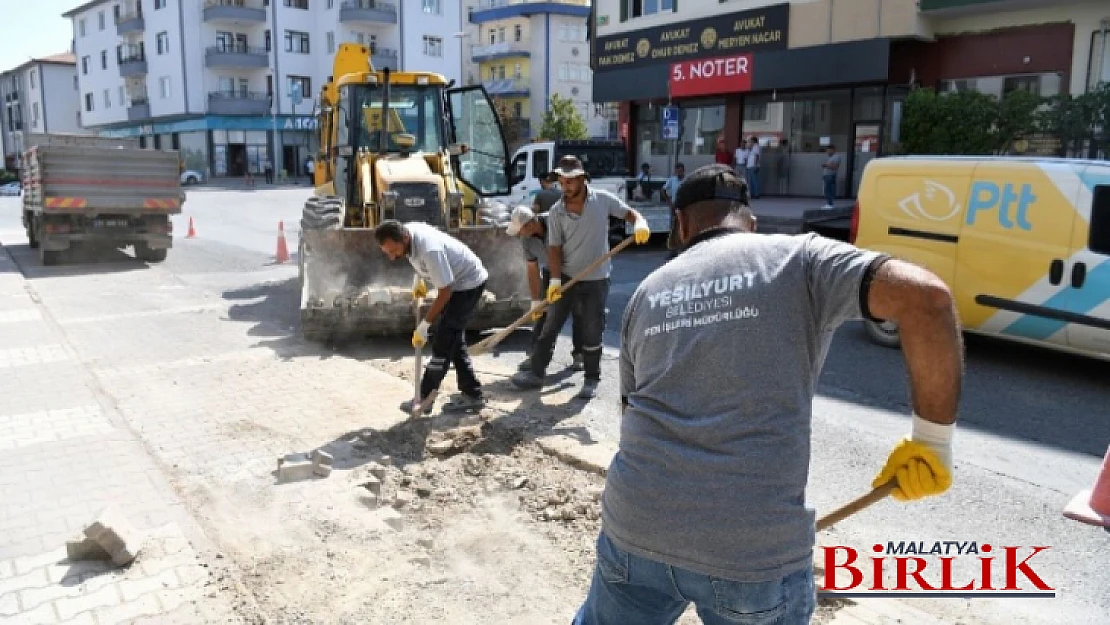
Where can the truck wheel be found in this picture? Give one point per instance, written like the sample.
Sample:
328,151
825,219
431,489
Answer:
148,254
885,334
51,257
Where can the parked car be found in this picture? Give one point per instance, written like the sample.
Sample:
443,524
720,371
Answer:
11,188
190,176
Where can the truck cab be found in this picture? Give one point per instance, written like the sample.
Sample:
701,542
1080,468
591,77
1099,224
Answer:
605,161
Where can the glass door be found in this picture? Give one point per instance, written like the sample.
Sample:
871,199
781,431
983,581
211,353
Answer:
866,142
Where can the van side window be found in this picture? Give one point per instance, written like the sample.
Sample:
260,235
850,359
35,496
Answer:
541,165
519,168
1099,241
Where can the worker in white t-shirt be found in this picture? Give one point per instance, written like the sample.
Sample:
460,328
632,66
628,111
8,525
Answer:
740,162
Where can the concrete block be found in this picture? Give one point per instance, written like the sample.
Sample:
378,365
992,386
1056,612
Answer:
322,458
402,499
82,547
392,518
295,467
323,470
117,536
377,470
372,484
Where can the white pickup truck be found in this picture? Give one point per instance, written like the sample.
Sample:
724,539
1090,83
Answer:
605,161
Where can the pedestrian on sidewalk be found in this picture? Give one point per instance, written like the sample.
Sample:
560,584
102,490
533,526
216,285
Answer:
670,187
268,169
828,175
577,235
459,278
532,229
721,349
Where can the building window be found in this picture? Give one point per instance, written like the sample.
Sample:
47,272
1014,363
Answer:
84,65
81,27
103,59
302,84
88,102
641,8
297,4
269,40
518,33
756,112
164,87
1046,84
331,42
35,113
33,75
518,111
433,46
492,36
100,19
518,71
501,35
122,96
331,4
296,41
432,7
107,98
270,86
159,4
162,40
1099,66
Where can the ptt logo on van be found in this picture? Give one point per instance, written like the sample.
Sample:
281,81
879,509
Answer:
936,203
986,196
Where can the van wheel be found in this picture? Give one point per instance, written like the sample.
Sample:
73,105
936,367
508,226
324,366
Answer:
885,333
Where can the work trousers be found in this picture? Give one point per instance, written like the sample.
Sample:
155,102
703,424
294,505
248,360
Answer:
449,345
575,328
585,302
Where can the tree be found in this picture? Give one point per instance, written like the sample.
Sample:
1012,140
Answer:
1017,117
965,122
563,121
513,126
1071,119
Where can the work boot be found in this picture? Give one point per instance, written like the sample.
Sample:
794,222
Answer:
589,390
525,365
526,380
464,402
407,407
577,363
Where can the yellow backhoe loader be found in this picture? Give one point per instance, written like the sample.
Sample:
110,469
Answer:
405,146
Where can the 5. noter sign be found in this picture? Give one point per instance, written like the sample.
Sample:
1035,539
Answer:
708,76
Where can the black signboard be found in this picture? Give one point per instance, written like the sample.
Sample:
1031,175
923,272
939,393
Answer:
757,30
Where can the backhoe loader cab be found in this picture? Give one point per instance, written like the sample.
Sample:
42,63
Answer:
405,146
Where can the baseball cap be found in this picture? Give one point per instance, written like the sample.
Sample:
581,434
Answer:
711,182
521,215
569,166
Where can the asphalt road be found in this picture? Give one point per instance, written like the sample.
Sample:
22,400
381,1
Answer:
1034,424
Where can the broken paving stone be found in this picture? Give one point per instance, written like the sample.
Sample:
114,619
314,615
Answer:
402,499
295,467
117,536
423,490
372,484
443,493
84,548
377,470
322,458
392,518
425,542
323,470
520,483
440,446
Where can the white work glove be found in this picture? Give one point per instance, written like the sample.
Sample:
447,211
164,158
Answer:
553,291
922,463
537,314
420,336
640,231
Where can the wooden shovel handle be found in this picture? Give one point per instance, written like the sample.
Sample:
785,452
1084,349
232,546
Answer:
876,495
484,346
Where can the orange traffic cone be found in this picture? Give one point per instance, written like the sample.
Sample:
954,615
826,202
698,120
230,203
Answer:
192,234
282,255
1093,506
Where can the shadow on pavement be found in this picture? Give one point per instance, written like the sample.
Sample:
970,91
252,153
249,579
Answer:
77,261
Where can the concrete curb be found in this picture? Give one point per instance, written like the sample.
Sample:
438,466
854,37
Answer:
596,456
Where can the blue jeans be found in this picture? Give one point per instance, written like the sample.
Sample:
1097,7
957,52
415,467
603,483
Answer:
631,589
830,190
753,182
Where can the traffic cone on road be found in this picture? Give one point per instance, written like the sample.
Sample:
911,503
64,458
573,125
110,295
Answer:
1093,506
192,234
282,255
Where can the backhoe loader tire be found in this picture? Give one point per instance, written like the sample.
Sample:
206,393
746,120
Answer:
322,213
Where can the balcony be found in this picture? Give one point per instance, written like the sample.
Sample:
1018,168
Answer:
235,11
130,23
139,110
238,103
236,57
953,8
509,87
506,49
132,66
384,57
361,11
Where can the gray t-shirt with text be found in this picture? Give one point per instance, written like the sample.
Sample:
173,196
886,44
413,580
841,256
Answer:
443,259
585,237
535,247
721,349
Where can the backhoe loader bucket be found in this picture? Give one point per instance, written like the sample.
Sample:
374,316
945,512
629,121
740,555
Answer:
349,287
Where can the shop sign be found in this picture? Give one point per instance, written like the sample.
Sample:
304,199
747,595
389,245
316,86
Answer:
758,30
724,74
670,123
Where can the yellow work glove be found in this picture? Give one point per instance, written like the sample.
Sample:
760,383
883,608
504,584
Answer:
553,291
419,289
537,314
921,463
641,232
420,336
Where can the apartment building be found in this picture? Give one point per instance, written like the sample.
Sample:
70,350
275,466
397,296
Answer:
232,83
38,96
800,75
525,51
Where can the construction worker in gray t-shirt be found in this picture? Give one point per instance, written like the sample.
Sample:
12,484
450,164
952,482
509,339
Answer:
548,195
578,235
721,350
532,229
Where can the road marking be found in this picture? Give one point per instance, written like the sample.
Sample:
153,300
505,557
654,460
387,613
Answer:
47,426
21,356
144,313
